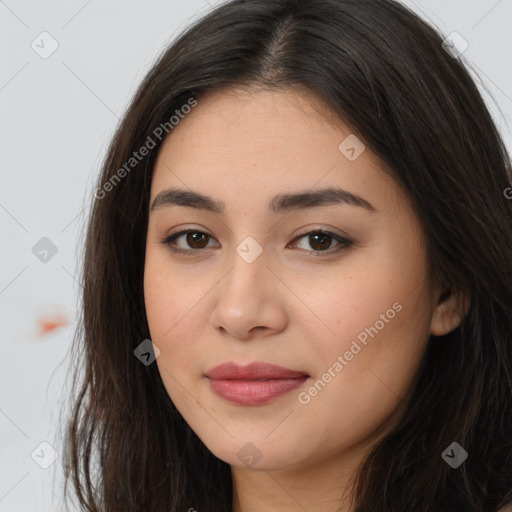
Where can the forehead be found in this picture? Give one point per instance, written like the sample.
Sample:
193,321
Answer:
251,145
246,120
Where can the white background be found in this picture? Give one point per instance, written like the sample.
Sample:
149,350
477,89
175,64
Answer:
57,117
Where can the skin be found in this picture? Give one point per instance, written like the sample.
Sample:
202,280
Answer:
287,307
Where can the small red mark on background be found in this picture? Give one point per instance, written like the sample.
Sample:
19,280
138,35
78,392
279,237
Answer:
51,322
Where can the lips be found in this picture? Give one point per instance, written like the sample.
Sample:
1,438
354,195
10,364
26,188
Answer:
254,371
253,384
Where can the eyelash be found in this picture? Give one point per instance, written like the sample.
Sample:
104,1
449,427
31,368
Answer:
344,242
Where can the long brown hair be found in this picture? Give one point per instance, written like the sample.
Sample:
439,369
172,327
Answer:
385,72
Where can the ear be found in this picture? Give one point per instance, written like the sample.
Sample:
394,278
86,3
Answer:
451,308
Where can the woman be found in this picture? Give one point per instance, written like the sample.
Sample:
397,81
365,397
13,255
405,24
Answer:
297,284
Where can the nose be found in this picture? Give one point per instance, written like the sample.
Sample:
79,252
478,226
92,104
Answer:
250,300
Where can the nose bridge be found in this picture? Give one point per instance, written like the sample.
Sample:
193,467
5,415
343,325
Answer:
248,269
246,297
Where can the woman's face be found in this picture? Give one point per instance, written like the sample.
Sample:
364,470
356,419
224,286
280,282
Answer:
353,314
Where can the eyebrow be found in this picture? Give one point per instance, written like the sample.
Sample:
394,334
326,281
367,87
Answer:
278,204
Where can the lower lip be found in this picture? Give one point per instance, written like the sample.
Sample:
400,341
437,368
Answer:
252,392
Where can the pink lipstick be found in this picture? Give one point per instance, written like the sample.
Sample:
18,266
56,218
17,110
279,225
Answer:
253,384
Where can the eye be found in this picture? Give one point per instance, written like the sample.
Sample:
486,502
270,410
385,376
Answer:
320,241
196,239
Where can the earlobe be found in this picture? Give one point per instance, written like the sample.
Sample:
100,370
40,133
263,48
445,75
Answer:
451,308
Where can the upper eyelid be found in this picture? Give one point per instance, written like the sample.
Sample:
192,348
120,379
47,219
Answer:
182,229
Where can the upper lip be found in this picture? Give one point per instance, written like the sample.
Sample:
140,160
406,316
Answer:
252,371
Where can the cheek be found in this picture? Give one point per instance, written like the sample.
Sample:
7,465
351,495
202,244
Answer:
365,370
378,322
170,302
351,300
169,310
170,297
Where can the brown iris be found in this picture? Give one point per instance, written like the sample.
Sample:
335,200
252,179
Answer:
195,237
324,241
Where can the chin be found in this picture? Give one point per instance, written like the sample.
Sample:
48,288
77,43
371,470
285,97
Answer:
262,455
